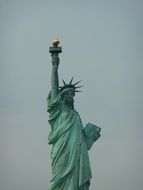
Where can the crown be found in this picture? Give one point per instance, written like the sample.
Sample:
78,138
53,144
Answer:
70,85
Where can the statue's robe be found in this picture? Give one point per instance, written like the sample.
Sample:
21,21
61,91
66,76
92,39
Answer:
70,160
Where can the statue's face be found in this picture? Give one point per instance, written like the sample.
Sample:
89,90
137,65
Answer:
68,96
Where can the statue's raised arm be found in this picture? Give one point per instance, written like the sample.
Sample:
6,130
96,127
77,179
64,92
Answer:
54,77
55,50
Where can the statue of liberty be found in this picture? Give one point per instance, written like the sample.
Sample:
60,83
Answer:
69,139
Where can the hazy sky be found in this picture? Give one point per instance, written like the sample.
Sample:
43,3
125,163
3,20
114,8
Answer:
103,46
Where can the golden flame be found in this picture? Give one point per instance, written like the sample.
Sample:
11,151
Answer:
55,41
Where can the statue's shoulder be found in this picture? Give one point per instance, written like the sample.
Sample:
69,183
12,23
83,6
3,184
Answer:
54,102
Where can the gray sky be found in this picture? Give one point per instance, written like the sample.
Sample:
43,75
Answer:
102,45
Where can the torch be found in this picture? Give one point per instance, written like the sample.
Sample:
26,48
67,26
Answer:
55,49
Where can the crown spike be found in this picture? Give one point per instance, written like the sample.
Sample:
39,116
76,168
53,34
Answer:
77,83
71,80
78,87
64,82
78,91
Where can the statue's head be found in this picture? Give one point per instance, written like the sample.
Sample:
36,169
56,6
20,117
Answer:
68,92
68,97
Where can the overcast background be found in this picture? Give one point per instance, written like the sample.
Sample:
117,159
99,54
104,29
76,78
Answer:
102,46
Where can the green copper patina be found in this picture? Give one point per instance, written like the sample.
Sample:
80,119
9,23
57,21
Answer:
70,140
